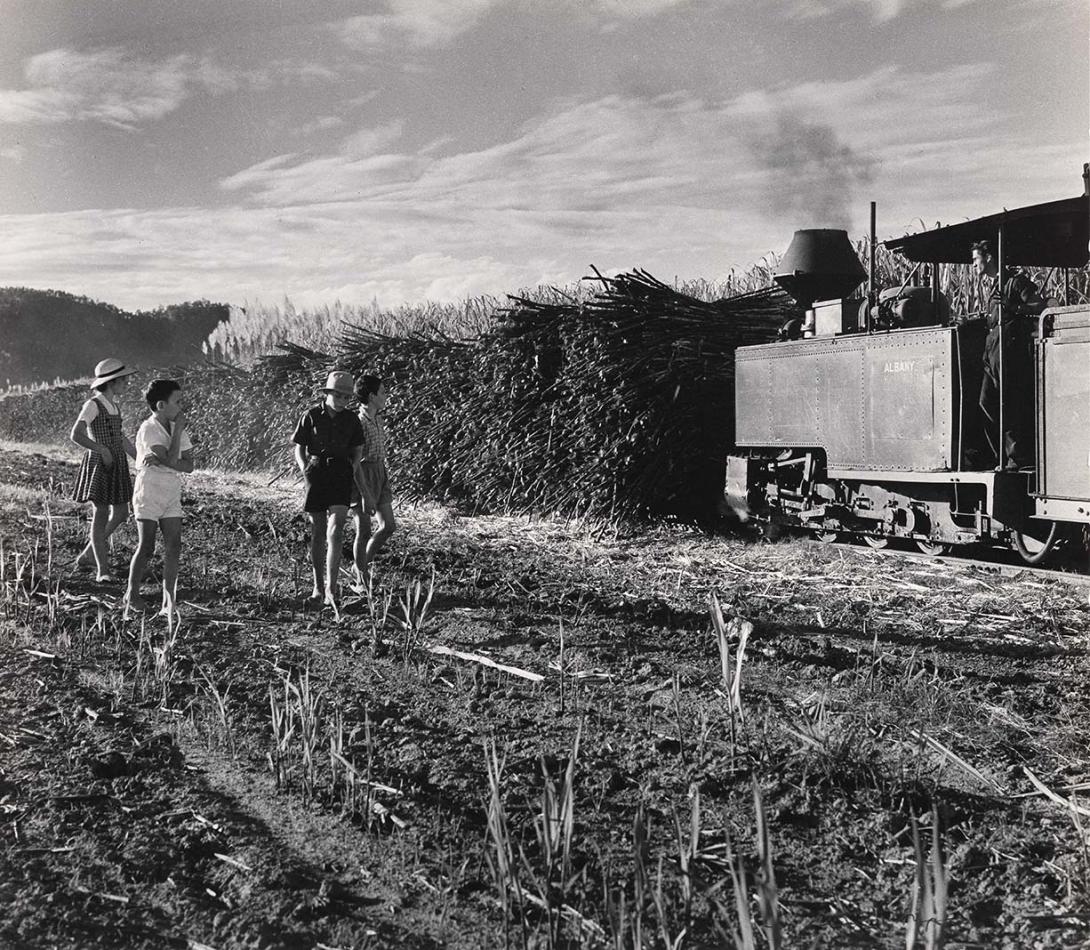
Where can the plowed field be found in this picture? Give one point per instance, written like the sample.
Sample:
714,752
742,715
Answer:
258,776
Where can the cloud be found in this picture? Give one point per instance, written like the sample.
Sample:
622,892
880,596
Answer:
421,23
883,11
638,8
118,89
104,86
320,124
770,148
677,184
427,24
359,159
369,141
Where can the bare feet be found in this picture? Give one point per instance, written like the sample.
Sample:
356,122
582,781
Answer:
361,582
137,603
314,601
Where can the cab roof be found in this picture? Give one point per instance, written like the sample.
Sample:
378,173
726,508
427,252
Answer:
1053,234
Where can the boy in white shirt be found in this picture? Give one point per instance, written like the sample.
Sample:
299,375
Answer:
163,449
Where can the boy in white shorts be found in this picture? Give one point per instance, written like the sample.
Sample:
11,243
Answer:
163,449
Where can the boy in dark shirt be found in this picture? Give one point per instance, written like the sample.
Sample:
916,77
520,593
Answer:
328,447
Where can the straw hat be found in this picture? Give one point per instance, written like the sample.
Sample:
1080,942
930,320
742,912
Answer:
108,370
340,382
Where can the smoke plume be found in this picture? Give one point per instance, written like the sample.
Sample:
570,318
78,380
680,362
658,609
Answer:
810,174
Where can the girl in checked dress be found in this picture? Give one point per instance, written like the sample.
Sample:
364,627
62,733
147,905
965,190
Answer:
104,474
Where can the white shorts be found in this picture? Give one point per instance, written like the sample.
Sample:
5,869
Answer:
157,495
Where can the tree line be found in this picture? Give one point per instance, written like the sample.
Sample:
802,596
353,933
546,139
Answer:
49,334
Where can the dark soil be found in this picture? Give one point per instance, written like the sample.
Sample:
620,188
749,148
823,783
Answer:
144,801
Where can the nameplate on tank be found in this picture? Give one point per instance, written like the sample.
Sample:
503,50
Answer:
902,366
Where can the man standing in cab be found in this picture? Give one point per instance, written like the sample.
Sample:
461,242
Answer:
1008,362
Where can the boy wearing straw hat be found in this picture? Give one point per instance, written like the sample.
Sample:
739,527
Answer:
328,447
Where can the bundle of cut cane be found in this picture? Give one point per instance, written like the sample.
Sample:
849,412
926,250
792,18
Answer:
643,402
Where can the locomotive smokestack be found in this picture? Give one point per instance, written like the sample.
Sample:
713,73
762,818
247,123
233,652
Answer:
1086,178
820,265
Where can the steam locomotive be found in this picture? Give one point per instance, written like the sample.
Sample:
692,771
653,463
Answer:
868,423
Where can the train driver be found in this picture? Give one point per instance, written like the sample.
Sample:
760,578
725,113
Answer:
1013,307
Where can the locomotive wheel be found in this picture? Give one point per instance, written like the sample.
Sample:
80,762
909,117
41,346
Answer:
771,531
1035,548
876,543
933,549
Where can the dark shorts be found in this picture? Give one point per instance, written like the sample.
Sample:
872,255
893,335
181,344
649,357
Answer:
329,484
376,481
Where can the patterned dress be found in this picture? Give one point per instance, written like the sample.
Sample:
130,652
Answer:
106,486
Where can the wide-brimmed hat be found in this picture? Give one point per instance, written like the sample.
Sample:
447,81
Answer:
109,369
340,382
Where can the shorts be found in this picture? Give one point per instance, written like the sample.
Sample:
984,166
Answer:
376,482
329,484
157,495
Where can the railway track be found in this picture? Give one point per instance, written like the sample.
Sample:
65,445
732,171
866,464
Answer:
1005,563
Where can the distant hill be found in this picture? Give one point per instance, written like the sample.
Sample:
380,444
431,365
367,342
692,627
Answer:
47,334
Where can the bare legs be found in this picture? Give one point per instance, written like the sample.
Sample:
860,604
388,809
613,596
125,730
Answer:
326,539
172,554
367,545
363,536
145,547
105,520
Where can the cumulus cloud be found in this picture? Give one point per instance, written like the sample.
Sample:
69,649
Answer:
119,89
109,86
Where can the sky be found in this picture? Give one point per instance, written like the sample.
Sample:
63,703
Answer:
399,151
